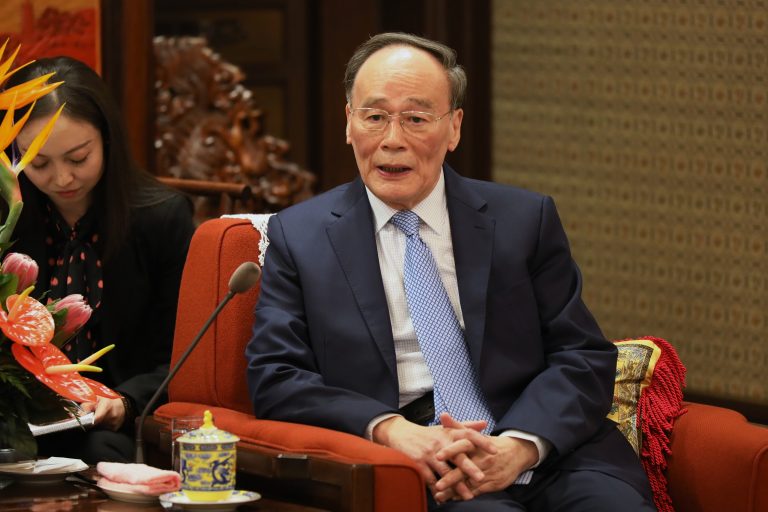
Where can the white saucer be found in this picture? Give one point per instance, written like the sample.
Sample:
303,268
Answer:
38,472
38,478
130,497
235,499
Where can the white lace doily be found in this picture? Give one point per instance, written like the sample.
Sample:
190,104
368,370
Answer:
259,221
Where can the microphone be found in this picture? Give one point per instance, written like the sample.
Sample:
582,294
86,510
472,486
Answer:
242,280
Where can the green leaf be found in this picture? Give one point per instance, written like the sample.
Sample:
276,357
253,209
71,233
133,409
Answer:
60,338
14,211
14,433
8,285
4,246
9,184
8,378
14,380
59,319
14,411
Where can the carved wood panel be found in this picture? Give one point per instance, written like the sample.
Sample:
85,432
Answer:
209,128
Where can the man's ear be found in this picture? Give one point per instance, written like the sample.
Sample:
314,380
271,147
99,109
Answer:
348,113
455,135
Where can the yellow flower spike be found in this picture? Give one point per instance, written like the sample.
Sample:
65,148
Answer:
69,368
5,160
38,142
19,301
28,91
7,125
9,75
31,96
2,49
8,129
29,85
5,66
93,357
26,87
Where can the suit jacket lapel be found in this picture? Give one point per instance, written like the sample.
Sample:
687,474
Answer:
472,232
354,242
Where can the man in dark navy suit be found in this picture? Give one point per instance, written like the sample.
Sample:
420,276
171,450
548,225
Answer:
493,377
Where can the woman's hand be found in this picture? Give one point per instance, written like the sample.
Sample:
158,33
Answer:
109,412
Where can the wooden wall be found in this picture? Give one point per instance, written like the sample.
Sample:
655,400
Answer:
127,31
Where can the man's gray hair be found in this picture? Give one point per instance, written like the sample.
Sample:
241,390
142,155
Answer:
444,54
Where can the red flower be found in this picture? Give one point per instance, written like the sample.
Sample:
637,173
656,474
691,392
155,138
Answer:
23,267
27,322
70,384
78,312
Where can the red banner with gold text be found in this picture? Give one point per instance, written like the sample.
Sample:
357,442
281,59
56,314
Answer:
47,28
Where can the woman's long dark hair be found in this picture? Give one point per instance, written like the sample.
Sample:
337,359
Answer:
123,184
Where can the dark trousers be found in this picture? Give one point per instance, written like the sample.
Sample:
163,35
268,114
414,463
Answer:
553,491
563,491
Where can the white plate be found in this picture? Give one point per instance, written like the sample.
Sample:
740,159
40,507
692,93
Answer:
27,475
43,471
130,497
235,499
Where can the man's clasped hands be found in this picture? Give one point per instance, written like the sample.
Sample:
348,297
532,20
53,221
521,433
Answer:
456,459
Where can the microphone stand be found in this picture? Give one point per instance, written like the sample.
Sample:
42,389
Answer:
172,373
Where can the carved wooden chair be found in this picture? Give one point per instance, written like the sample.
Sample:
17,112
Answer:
210,139
213,198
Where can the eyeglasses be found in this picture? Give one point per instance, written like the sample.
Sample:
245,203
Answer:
412,121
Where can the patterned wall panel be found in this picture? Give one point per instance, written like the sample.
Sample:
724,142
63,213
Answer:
646,121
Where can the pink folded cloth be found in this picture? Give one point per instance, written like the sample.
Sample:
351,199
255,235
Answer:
138,478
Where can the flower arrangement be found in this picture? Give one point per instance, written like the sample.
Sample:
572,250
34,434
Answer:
35,375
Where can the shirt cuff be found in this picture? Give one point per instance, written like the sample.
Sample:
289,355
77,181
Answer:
542,445
375,421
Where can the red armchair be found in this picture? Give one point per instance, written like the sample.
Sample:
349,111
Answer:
718,462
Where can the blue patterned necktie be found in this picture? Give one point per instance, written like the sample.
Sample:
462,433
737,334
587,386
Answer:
438,332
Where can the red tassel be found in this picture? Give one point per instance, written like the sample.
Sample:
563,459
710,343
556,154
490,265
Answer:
659,406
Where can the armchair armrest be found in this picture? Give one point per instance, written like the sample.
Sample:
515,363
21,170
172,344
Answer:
719,461
295,452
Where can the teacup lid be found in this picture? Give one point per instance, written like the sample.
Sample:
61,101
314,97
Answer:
208,433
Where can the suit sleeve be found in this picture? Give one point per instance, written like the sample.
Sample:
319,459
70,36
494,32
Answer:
567,401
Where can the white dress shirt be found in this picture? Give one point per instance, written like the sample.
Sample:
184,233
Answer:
413,374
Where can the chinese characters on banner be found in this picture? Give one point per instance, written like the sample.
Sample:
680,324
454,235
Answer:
47,28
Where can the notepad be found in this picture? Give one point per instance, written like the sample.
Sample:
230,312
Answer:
81,419
44,466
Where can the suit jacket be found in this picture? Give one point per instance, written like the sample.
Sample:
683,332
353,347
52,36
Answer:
322,351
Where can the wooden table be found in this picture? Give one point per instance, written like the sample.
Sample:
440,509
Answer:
72,496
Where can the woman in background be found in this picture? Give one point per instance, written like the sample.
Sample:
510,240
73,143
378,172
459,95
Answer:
99,226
